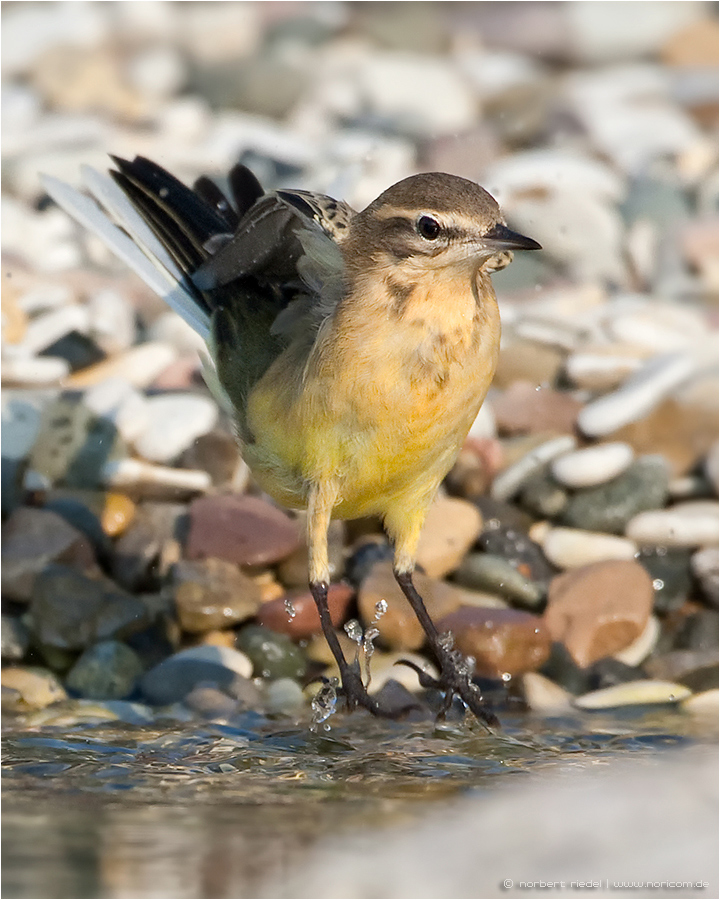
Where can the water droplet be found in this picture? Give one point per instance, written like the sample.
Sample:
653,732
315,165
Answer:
290,609
506,676
658,584
368,650
447,641
354,631
380,609
323,704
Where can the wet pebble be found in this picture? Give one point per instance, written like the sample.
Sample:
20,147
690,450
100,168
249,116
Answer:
544,696
139,366
212,593
483,571
509,482
670,572
609,507
592,465
210,702
174,422
144,552
542,496
272,655
704,564
175,677
568,548
305,619
526,408
283,697
15,638
451,528
398,626
37,687
599,609
70,611
502,641
31,540
243,530
515,546
633,693
108,670
692,524
642,646
146,480
116,400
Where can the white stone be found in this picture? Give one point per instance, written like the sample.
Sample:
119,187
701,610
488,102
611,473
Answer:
170,328
661,328
175,421
283,697
222,656
45,296
634,693
20,106
158,73
49,327
703,704
118,401
638,396
139,366
37,370
600,371
592,465
543,695
511,479
568,548
495,72
484,425
112,320
150,480
692,524
642,646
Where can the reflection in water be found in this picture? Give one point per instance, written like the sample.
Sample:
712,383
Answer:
215,810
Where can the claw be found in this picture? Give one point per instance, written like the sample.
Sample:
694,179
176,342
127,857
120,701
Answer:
426,681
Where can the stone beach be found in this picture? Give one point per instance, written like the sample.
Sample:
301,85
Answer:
573,550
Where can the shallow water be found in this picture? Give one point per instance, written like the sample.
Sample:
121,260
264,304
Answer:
214,810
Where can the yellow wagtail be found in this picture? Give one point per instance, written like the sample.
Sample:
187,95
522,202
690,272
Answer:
353,349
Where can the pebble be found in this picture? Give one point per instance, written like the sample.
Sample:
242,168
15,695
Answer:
37,687
509,482
699,631
218,454
210,703
34,372
112,320
704,565
283,697
273,655
116,400
77,507
711,466
599,609
151,543
20,426
174,422
703,704
117,514
517,548
294,569
692,524
70,611
544,696
569,548
494,574
175,677
527,361
600,371
638,396
212,594
398,626
139,366
502,641
633,693
31,540
644,485
47,328
243,530
450,530
592,465
526,408
15,638
682,665
305,622
642,646
108,670
670,572
542,496
147,480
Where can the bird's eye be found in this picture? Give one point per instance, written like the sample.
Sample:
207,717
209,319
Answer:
428,228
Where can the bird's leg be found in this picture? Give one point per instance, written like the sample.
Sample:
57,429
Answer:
454,677
320,503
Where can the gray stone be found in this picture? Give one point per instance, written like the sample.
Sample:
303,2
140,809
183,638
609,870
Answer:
670,572
212,593
31,540
482,571
15,638
174,678
543,496
704,565
138,559
108,670
283,697
70,611
609,507
273,655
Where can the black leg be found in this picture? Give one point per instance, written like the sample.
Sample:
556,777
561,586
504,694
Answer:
352,686
453,677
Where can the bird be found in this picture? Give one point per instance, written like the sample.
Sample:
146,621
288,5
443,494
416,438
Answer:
352,349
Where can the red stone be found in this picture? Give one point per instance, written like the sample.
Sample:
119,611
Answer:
306,621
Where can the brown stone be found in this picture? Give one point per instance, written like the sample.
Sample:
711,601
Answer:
451,528
599,609
527,408
502,641
306,621
212,594
527,361
693,46
117,513
243,530
681,432
399,627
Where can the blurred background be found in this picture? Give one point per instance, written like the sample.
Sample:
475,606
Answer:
142,648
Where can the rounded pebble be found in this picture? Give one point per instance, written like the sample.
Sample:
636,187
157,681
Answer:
693,524
568,548
509,482
634,693
593,465
174,422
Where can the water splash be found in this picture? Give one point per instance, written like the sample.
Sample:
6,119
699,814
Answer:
323,705
368,648
290,609
381,608
354,631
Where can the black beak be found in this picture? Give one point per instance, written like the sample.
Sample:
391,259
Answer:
501,237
